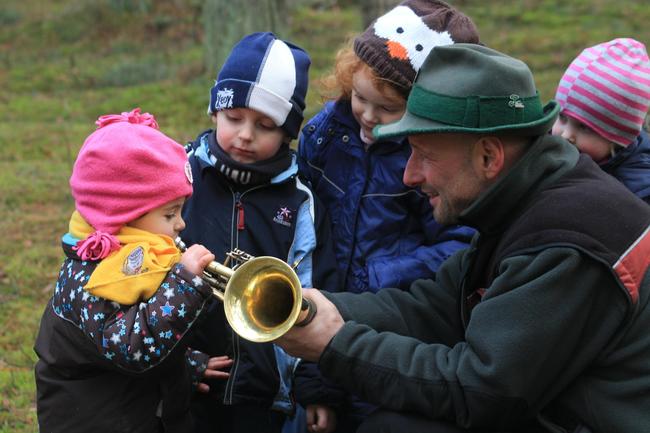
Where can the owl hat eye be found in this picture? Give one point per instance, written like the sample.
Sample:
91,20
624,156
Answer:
397,43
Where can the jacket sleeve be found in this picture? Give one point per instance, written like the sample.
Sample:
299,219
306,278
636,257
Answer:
439,243
403,312
309,147
312,248
310,387
306,171
518,350
138,337
326,273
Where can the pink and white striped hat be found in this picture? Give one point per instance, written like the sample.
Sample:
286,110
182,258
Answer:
607,87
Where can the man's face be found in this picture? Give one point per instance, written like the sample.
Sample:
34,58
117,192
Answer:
441,165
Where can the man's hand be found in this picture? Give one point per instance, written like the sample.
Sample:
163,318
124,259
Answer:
309,342
215,370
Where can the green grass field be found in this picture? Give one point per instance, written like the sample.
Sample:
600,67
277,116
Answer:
65,62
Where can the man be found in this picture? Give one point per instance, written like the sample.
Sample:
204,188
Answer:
541,325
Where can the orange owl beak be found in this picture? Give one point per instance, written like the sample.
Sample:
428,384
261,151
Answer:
397,50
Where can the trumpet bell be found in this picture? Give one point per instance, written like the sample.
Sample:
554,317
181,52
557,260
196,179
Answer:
262,299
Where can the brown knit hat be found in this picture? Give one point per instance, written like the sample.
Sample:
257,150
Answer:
397,43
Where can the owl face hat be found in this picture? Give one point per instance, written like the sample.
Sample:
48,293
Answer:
397,43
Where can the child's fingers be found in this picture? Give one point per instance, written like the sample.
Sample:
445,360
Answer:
215,374
203,388
215,367
205,259
218,358
219,362
310,418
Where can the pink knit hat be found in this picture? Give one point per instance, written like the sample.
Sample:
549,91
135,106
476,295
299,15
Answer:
125,169
607,87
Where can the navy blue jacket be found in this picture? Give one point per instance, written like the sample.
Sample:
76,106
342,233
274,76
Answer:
384,231
280,219
631,166
106,367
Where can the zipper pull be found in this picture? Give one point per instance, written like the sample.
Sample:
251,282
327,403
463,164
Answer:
240,216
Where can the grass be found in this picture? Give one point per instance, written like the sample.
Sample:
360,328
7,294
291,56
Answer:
65,62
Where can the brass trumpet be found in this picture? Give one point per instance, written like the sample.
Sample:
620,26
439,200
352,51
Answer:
261,296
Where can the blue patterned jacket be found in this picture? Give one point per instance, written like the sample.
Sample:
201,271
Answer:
108,367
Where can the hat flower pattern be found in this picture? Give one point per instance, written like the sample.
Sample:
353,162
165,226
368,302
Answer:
409,38
134,116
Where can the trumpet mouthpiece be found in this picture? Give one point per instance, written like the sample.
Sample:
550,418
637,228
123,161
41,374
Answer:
180,244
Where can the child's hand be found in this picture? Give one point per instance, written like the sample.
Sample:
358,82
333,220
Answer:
320,419
196,258
215,371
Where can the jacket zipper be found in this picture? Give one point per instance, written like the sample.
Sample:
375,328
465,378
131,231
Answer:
234,243
240,214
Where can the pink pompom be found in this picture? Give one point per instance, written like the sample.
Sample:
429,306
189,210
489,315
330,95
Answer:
96,246
133,116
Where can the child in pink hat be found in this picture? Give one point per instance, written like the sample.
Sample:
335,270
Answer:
111,343
605,96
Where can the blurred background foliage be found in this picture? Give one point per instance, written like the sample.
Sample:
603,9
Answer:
65,62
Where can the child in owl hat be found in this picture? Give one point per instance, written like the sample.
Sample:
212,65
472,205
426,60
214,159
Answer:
605,96
125,296
384,232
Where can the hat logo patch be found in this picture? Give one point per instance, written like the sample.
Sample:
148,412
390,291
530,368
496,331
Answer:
188,172
515,102
283,216
224,99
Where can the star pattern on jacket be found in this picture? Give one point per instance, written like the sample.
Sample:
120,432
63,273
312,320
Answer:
135,337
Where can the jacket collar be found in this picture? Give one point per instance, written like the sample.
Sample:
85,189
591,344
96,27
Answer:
546,160
640,145
206,161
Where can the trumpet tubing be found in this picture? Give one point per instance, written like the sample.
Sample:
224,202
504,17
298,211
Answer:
262,296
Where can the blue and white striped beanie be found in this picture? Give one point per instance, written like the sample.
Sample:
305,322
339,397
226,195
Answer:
265,74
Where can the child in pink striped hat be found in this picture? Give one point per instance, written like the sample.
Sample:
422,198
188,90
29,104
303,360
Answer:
112,344
605,96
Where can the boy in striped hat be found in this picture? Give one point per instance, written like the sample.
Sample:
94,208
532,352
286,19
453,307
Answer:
248,196
605,96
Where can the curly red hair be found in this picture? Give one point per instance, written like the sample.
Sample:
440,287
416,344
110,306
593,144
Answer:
338,85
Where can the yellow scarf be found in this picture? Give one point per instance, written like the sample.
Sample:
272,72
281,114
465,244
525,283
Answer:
134,272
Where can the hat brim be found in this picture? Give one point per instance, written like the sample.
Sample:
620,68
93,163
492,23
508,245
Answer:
411,124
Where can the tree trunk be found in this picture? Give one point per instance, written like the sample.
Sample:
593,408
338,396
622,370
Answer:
226,22
373,9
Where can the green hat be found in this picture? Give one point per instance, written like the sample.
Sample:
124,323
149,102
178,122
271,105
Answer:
470,88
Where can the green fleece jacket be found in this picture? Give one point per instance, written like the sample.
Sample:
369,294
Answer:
557,339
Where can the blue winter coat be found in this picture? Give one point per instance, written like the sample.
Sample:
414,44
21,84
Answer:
384,232
631,166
